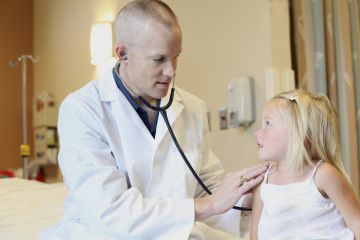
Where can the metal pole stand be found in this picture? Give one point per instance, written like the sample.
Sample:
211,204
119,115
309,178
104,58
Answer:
24,147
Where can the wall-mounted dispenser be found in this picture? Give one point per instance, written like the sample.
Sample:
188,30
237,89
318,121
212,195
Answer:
242,102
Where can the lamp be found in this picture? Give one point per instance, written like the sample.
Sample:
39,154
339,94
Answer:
101,41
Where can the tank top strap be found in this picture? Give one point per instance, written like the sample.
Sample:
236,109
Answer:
267,173
316,167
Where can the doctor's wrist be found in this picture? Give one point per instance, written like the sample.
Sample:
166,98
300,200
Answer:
203,208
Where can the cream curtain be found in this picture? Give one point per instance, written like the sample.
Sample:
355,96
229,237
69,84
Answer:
326,45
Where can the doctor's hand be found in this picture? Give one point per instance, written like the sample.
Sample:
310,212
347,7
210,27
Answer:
233,187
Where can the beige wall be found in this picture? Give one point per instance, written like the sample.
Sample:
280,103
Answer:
16,31
222,40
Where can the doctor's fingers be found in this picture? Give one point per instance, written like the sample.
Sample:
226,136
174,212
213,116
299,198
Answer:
253,171
245,187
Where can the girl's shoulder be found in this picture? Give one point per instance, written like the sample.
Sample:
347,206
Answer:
326,170
326,176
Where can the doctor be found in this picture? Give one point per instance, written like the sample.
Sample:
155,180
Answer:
125,177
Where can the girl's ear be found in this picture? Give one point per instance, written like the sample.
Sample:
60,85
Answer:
310,149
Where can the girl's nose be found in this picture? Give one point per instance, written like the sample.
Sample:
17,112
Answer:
257,134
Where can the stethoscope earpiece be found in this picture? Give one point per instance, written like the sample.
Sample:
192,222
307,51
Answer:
124,57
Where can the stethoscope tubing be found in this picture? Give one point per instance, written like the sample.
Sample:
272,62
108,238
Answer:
162,111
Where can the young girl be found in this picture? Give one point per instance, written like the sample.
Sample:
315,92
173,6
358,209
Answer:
305,193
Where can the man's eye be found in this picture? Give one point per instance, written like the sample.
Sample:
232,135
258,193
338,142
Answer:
159,59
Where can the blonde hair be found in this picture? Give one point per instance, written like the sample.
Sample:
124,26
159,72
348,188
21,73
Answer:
312,129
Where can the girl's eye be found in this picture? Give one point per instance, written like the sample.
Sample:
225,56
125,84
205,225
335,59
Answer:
267,123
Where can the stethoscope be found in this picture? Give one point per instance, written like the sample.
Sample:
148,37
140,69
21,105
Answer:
162,111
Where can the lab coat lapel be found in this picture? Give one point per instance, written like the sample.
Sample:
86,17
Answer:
123,111
132,132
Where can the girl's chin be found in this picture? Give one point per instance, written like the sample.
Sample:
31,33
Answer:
262,158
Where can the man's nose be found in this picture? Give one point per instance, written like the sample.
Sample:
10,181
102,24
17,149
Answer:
170,69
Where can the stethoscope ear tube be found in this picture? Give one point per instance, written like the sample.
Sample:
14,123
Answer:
159,109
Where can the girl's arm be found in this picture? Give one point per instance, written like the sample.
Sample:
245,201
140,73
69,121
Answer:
332,184
257,206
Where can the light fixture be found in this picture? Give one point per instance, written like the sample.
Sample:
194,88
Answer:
101,41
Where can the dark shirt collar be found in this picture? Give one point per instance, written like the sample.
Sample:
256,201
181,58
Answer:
141,112
123,89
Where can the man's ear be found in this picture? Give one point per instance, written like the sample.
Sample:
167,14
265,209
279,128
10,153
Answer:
121,52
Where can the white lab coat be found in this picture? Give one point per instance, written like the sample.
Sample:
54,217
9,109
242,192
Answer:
125,184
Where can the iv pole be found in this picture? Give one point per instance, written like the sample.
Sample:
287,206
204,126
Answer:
24,147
